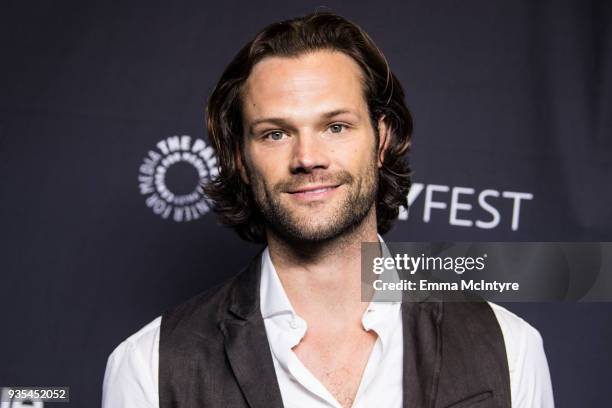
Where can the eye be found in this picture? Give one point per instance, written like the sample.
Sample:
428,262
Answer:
275,135
337,127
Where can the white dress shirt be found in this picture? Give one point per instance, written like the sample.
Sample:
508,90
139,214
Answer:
381,382
131,378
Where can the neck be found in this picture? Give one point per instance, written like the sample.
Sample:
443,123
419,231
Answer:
324,278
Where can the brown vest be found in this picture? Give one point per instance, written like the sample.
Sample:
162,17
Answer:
213,352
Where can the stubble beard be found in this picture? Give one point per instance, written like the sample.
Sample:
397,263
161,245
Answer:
347,215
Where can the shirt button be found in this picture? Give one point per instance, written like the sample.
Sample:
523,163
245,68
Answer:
294,324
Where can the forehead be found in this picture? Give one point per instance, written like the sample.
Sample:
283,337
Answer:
293,86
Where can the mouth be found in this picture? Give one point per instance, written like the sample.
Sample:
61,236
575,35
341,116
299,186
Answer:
313,192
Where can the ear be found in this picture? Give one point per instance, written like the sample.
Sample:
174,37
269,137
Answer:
384,138
241,168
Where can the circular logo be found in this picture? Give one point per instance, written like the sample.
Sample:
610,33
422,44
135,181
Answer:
172,176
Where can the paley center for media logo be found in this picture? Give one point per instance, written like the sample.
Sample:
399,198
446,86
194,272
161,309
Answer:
161,197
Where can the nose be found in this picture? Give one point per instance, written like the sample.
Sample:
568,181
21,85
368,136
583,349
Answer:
308,154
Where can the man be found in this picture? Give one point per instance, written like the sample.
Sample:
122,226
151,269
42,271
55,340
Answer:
311,130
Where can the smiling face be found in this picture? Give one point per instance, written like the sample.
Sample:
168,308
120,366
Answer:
310,151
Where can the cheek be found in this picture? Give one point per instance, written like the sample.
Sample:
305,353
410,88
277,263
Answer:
264,169
254,161
358,156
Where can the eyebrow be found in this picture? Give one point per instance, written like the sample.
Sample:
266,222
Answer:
283,122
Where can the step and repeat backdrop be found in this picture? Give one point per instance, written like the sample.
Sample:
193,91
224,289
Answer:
103,147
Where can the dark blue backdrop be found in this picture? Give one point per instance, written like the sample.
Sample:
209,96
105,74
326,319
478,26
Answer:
512,101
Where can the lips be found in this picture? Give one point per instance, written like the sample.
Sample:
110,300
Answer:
313,189
315,192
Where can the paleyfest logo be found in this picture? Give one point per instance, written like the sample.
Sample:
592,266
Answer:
172,153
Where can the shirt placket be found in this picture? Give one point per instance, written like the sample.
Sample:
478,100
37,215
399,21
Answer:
298,370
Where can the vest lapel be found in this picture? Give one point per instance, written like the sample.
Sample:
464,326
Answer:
246,344
422,352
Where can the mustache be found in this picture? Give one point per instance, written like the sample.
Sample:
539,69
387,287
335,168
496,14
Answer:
300,180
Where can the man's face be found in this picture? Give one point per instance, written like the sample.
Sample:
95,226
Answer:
310,151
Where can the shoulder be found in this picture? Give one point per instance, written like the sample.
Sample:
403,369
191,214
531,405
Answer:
518,334
529,374
145,337
146,340
130,378
138,346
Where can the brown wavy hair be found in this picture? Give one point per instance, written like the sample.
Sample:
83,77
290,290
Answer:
231,198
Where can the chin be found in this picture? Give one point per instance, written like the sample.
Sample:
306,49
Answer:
316,223
323,230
